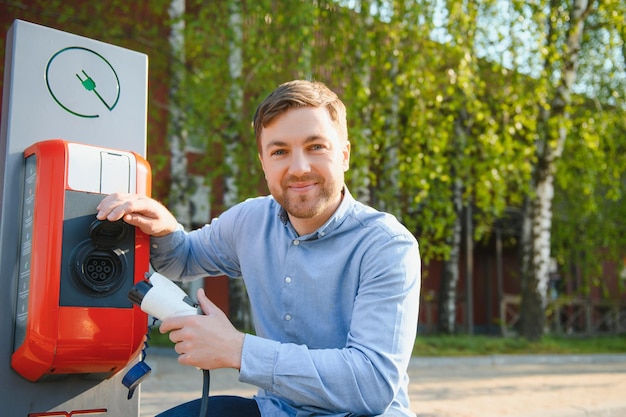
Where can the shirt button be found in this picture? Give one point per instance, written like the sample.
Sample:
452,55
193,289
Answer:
287,317
154,245
296,242
288,280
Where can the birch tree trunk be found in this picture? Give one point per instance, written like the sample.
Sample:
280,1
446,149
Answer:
450,273
537,236
179,197
239,303
233,102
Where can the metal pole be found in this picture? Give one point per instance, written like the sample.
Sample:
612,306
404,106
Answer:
499,278
469,265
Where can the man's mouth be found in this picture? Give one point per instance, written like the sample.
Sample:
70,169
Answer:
301,187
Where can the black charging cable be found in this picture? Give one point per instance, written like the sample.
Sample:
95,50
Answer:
206,381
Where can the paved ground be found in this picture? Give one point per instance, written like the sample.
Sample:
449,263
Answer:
493,386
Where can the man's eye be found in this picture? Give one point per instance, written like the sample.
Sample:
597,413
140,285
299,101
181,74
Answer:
317,147
278,152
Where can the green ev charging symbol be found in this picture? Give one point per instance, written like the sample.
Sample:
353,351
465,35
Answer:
71,76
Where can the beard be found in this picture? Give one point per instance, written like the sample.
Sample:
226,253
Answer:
310,204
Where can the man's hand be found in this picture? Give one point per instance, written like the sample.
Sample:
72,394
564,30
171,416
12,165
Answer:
137,210
206,341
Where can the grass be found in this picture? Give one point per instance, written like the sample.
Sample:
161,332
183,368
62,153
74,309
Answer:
464,345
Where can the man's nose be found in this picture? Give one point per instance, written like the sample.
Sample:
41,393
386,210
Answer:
299,164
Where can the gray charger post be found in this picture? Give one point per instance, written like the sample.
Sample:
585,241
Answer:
47,95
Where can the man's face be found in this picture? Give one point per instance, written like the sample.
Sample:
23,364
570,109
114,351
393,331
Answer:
304,161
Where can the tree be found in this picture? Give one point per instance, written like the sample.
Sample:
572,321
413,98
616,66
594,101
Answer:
589,230
563,36
471,158
180,189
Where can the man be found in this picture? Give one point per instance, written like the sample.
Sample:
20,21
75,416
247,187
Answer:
333,284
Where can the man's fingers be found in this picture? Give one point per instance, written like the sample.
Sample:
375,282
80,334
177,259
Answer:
137,210
172,323
114,206
206,305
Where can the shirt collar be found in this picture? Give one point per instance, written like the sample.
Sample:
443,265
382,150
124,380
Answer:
332,223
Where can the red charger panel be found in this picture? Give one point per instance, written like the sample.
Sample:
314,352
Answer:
95,335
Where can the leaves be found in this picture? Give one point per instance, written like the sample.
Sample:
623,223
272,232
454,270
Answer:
437,92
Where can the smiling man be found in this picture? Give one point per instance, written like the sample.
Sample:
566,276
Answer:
333,284
304,156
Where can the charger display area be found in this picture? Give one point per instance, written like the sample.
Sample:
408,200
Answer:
73,129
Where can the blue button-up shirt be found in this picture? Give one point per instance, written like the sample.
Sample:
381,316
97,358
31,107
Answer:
335,311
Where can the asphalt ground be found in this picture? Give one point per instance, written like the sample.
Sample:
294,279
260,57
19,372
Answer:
486,386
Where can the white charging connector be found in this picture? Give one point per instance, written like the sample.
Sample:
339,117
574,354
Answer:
161,298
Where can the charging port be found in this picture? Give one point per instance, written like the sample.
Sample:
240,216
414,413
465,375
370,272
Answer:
97,262
99,270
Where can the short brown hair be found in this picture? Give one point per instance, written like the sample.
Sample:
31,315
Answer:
300,93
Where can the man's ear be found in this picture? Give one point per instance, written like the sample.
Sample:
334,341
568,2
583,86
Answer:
262,166
346,156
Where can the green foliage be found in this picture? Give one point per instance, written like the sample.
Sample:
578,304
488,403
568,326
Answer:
589,229
439,94
589,226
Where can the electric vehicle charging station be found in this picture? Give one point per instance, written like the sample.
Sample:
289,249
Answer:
73,129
